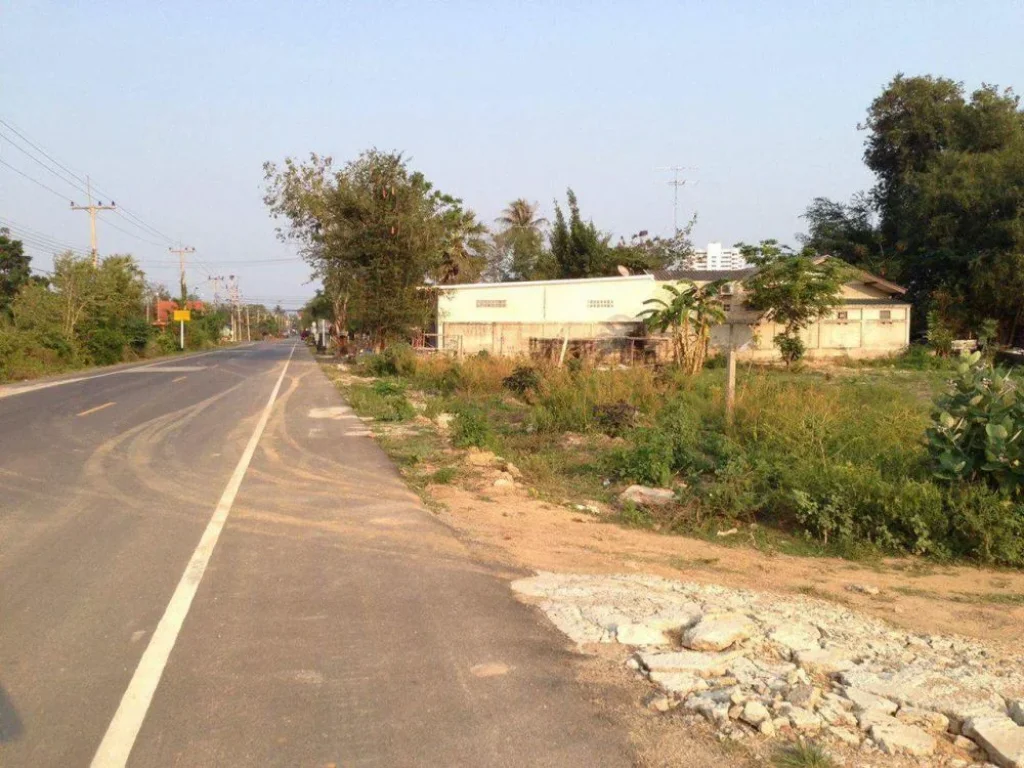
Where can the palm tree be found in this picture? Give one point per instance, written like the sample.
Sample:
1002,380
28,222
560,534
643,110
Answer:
463,259
689,315
521,215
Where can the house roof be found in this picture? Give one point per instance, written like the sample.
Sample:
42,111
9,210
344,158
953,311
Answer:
702,274
874,302
739,274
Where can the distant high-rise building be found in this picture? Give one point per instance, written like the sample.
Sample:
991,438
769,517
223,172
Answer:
717,258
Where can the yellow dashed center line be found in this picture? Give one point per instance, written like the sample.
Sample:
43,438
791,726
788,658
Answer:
97,408
180,378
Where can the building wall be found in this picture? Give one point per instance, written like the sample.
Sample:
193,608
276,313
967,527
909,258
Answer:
502,318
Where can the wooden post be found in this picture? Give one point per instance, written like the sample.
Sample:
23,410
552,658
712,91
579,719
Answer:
565,346
730,387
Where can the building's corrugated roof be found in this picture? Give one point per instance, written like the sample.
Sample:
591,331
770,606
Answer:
521,283
873,302
702,274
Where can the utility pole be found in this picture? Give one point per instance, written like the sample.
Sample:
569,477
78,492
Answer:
181,261
248,334
233,296
676,183
92,210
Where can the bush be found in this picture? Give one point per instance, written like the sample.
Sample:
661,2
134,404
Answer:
977,432
388,387
444,476
647,459
471,428
523,381
791,347
985,526
105,346
382,407
396,360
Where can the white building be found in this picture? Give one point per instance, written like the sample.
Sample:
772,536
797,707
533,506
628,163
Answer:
716,258
601,315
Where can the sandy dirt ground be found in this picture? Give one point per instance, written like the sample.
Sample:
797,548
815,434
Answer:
914,594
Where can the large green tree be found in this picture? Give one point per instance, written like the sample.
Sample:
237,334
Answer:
946,213
375,231
15,270
579,248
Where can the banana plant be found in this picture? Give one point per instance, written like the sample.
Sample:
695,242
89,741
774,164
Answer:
687,316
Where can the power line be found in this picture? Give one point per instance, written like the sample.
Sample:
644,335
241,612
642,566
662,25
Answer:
40,163
34,181
125,213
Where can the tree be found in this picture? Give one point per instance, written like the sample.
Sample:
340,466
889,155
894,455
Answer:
15,270
644,253
947,204
518,247
792,290
688,316
850,231
376,230
463,254
579,248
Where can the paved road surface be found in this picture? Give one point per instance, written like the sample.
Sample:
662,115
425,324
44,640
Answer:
335,622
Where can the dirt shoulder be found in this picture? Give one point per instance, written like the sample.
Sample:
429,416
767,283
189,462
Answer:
914,594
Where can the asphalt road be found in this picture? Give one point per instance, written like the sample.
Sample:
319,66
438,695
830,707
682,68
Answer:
205,562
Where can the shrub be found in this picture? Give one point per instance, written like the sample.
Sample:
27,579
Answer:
791,347
471,428
444,476
396,360
940,335
977,432
382,407
523,381
105,346
985,526
647,458
388,387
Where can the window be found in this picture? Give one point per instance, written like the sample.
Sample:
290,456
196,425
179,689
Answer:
492,303
842,315
600,303
727,307
885,315
727,289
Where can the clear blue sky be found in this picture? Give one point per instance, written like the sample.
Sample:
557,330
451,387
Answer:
172,107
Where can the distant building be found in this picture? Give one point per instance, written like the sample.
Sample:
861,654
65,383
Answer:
527,318
165,310
716,258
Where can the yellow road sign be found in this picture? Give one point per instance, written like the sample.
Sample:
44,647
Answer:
182,315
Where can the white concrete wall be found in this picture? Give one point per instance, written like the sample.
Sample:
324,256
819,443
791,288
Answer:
594,308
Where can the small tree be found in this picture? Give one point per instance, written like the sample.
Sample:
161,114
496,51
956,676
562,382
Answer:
688,316
14,269
791,289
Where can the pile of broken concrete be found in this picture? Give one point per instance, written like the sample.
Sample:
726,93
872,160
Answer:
797,667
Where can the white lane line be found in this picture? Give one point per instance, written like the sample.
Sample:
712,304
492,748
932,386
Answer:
124,728
97,408
180,378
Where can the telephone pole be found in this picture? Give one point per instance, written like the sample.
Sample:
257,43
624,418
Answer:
676,183
93,210
236,319
181,260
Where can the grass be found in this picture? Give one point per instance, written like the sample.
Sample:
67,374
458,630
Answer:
817,463
444,476
803,754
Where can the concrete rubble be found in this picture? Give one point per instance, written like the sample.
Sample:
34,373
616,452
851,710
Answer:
763,665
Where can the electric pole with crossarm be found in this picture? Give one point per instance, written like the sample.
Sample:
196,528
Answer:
181,260
93,210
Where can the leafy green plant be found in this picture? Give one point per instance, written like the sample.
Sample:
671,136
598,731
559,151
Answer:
688,315
444,476
383,407
790,346
388,387
978,428
523,381
940,335
647,458
471,428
